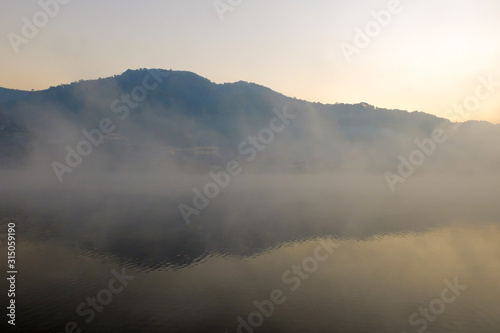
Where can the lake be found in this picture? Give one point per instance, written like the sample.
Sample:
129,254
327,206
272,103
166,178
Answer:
276,254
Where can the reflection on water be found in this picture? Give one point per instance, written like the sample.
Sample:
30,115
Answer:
202,278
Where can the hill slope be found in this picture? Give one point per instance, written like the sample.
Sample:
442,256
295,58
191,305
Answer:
181,112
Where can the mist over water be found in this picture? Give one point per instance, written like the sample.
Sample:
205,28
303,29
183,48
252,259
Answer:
396,249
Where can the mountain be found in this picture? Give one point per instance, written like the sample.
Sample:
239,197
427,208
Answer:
165,112
7,95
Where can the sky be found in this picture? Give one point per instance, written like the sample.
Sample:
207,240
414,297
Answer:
424,55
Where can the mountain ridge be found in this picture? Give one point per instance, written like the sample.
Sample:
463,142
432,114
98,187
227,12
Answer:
185,111
231,85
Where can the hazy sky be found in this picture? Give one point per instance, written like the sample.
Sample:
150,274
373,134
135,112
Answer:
428,57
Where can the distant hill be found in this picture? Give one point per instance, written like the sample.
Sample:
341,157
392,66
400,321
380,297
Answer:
182,110
7,95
